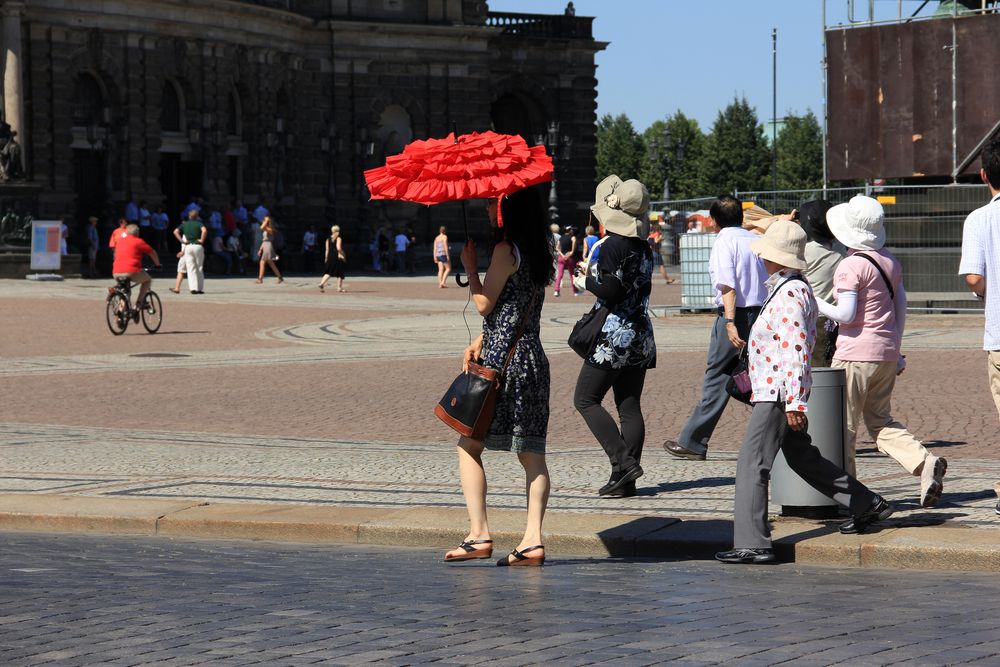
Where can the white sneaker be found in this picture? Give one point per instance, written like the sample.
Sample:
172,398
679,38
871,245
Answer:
932,480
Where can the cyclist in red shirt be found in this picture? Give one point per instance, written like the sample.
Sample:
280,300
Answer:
129,250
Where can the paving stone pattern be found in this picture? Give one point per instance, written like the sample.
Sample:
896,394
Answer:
82,601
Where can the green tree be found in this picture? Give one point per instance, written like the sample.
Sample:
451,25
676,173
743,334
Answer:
736,155
800,153
620,149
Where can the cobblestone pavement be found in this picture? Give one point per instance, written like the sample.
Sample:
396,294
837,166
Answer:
280,393
75,600
242,468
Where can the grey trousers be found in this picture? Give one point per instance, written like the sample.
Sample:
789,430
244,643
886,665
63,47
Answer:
721,356
767,432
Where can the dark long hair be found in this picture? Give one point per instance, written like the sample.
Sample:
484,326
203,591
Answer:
526,224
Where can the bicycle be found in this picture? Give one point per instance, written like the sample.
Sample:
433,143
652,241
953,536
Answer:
119,313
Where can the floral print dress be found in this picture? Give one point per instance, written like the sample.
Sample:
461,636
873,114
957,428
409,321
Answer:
626,341
521,421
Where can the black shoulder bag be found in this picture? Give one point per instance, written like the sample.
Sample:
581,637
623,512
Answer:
833,328
470,402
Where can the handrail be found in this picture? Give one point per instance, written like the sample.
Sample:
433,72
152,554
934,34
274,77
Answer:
542,25
975,151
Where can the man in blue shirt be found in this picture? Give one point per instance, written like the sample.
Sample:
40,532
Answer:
738,277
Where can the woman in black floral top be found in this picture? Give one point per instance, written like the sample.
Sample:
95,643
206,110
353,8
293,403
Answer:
621,279
512,292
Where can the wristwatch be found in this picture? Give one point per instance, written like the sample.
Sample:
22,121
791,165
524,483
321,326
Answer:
729,320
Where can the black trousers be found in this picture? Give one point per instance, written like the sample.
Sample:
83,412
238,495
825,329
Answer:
623,446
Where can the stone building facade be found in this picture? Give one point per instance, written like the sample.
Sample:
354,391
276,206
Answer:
284,102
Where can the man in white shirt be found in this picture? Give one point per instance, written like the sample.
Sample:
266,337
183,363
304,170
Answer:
738,277
981,265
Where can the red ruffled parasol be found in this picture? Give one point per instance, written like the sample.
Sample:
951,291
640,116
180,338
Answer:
474,166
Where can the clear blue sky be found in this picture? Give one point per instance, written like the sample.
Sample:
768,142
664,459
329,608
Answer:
696,55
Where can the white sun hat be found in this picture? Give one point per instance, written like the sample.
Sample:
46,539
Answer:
859,224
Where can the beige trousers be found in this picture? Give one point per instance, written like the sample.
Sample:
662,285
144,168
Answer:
869,394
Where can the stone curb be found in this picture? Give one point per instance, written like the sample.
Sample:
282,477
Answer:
578,534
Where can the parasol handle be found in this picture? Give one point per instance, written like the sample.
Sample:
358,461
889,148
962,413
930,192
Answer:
458,280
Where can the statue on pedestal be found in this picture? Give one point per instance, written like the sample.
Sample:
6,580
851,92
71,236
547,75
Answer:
11,167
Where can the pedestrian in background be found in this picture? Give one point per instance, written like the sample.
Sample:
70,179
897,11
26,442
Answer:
309,246
401,241
783,334
871,310
160,222
334,259
442,255
565,261
656,242
266,253
737,276
117,234
509,298
93,243
621,279
411,251
981,266
192,234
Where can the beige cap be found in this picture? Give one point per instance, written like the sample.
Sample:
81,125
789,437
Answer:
783,243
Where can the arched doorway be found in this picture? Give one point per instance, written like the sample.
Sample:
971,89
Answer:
517,113
181,178
90,133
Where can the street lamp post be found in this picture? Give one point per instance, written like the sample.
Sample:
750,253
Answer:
666,162
559,148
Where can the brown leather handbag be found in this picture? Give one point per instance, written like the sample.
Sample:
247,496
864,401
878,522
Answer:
470,402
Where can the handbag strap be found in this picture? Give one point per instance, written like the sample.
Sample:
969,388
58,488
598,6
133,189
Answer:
745,352
517,335
892,293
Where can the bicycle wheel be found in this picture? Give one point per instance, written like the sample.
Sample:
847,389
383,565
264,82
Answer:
152,312
117,313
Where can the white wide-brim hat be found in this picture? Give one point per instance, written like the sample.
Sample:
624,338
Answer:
859,224
783,243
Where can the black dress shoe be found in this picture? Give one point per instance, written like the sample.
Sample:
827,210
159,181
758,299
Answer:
879,510
756,556
613,485
680,452
625,491
612,481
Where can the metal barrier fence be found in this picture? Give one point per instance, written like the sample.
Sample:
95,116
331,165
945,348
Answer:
923,225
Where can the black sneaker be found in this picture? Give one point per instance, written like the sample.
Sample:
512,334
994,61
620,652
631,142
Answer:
879,510
755,556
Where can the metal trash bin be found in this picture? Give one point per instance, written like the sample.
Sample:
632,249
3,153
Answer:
827,426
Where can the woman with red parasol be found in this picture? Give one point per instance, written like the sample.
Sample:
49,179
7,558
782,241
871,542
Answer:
501,169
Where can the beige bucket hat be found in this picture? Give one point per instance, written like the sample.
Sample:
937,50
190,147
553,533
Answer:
621,206
783,243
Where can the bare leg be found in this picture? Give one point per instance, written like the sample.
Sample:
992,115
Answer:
177,283
260,276
274,267
340,285
536,475
473,477
323,281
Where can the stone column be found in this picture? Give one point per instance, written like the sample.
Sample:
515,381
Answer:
13,93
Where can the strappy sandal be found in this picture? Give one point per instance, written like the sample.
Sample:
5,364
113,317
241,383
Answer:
521,559
471,552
